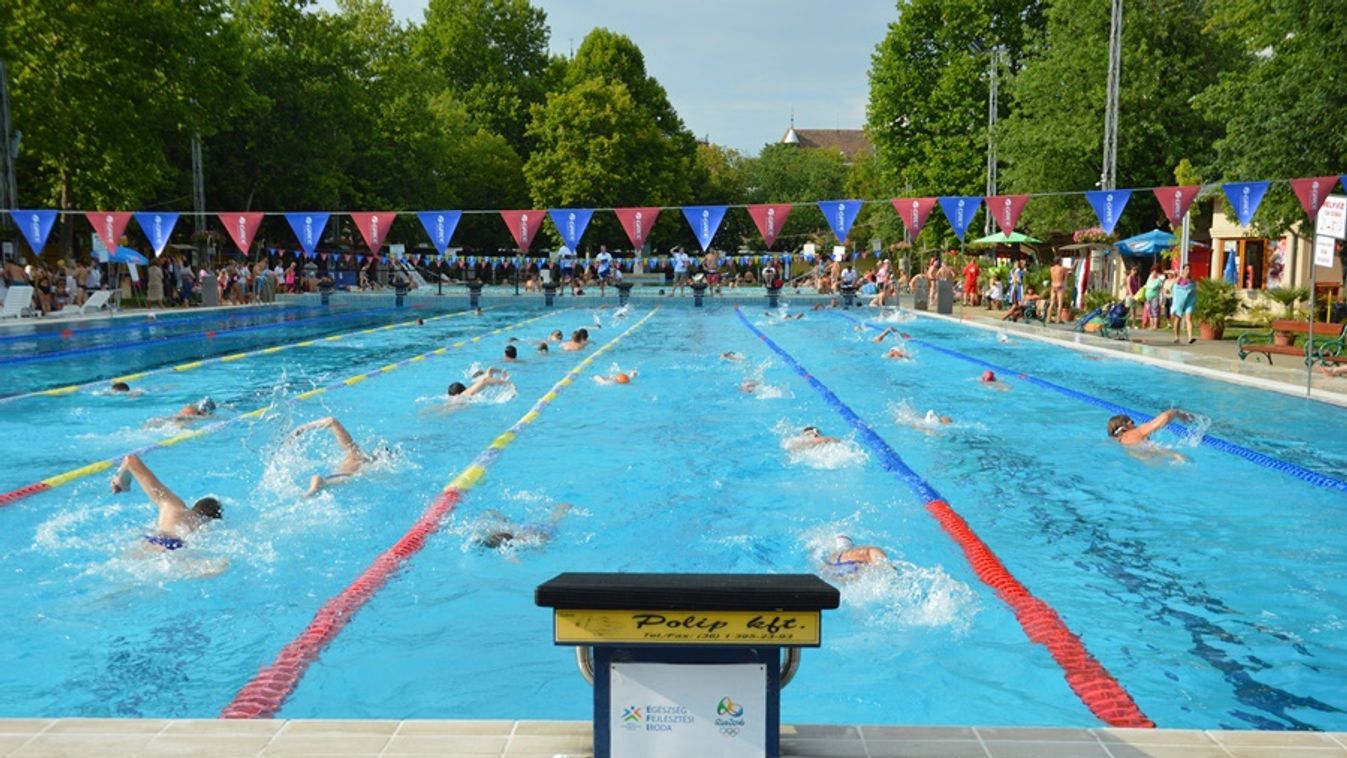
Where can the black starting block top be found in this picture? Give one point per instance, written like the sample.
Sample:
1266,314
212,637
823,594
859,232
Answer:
689,592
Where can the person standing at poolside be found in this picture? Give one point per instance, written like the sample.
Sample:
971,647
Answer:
176,521
971,272
681,262
1056,302
604,262
1185,300
1017,274
1154,283
711,268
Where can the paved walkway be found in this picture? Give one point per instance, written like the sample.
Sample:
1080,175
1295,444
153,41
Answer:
123,738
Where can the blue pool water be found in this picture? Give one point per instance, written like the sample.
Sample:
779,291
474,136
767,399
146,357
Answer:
1212,590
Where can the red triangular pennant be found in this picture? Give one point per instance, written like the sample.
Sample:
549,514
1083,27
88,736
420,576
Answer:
770,220
1176,201
109,226
523,226
242,227
374,227
914,211
1312,192
1006,209
638,222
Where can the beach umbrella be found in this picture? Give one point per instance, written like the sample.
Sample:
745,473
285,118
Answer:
1000,238
127,255
1150,243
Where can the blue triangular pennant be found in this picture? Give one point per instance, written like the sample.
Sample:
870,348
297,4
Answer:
959,209
841,214
1108,206
308,228
704,220
1245,198
571,222
35,225
158,227
440,225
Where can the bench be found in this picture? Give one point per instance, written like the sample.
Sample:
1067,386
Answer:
1329,346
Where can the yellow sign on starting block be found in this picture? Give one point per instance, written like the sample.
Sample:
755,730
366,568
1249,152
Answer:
585,627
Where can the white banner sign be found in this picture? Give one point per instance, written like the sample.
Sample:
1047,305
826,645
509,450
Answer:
661,710
1323,251
1332,220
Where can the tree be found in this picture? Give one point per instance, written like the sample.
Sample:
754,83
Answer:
106,98
792,174
492,54
724,178
1282,103
609,139
1053,140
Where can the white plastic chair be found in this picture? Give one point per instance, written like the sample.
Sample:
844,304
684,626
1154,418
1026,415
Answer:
97,301
17,300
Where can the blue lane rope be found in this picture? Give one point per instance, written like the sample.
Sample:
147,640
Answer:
1216,443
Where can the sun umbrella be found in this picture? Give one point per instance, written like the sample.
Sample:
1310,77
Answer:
127,255
1000,238
1150,243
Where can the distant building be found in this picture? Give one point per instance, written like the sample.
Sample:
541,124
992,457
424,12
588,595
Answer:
851,143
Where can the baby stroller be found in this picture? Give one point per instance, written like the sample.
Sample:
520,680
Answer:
1109,321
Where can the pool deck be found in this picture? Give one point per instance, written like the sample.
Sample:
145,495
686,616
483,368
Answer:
100,738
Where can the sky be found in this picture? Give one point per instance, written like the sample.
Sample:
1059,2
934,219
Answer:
735,69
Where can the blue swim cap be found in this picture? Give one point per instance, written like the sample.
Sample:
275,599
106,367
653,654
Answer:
205,405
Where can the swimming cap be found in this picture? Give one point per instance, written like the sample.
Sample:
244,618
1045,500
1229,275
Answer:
622,379
205,405
932,417
988,376
844,542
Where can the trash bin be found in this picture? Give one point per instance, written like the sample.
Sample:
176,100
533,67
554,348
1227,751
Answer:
944,297
210,291
921,294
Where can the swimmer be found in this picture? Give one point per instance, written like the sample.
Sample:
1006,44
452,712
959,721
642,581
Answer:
503,533
511,354
748,386
122,388
577,340
176,520
477,311
352,460
884,334
420,322
187,414
542,347
989,379
481,380
556,336
848,558
809,437
1123,429
897,354
731,356
598,323
621,377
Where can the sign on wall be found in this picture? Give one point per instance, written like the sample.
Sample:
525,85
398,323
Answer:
665,710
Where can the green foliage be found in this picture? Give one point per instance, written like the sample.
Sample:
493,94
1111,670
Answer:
1054,138
1282,105
1287,297
1216,302
1097,299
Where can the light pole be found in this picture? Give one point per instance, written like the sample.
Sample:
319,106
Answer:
993,106
1108,179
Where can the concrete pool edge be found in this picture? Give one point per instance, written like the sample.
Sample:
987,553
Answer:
1122,350
371,738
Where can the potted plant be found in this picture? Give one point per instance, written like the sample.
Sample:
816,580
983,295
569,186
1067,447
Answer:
1287,297
1216,302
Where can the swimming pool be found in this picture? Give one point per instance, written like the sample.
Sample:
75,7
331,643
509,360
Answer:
1212,590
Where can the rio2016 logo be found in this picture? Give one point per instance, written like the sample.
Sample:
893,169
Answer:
727,707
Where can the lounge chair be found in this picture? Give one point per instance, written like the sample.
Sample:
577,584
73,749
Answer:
96,301
17,302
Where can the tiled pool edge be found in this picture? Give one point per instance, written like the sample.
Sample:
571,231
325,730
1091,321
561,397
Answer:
386,738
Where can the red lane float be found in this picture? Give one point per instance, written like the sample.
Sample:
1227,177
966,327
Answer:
1086,677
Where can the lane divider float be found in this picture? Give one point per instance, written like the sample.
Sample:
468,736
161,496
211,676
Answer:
264,694
1253,456
13,496
227,358
1097,689
53,355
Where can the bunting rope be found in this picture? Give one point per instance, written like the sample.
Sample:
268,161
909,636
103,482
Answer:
1216,443
1097,689
57,480
264,694
227,358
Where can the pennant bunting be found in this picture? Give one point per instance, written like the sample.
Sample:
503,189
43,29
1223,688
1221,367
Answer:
959,210
1175,201
158,227
1108,206
840,214
109,225
308,228
1312,192
440,225
571,222
1006,210
770,219
523,226
374,227
1245,198
914,212
242,227
704,220
35,225
637,222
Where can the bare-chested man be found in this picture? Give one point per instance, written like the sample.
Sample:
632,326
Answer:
1056,303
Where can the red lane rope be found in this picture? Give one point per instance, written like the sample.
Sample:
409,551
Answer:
1086,677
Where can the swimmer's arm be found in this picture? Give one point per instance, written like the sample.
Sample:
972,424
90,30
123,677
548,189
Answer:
343,436
1156,424
162,496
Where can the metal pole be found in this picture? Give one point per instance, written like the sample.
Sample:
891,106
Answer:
1184,239
1109,178
199,199
993,97
9,148
516,272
